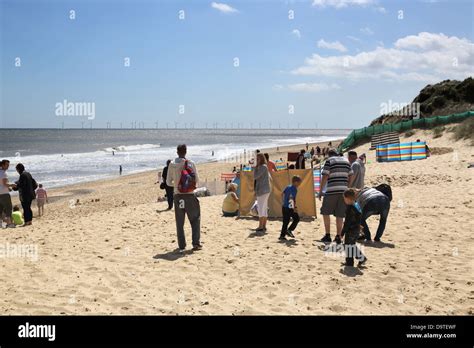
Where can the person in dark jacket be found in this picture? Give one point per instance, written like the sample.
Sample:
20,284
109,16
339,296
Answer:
351,229
318,151
168,189
26,189
373,202
300,160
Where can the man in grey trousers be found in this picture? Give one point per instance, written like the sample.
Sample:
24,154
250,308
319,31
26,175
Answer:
185,203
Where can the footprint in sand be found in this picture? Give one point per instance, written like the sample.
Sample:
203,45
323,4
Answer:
337,308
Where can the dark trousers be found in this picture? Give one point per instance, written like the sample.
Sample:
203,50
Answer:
289,214
376,206
27,212
169,195
187,204
351,249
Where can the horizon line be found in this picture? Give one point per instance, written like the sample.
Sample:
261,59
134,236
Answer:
173,128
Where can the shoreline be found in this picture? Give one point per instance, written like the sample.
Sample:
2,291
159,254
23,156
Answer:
271,150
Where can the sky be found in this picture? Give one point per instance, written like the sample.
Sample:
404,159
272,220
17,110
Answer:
259,63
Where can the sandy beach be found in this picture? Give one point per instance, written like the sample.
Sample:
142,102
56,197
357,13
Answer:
107,247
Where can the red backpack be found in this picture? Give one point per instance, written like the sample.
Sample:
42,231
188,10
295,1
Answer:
187,179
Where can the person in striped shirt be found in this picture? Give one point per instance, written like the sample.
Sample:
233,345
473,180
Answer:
337,176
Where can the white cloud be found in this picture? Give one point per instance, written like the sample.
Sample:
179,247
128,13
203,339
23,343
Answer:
429,42
339,4
296,33
307,87
313,87
278,87
336,45
424,57
353,38
342,3
223,7
366,31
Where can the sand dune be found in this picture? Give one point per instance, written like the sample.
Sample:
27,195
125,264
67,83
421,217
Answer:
114,252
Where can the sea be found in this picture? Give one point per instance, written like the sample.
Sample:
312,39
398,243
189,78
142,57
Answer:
60,157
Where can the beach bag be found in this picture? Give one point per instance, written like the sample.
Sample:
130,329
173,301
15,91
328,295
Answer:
254,209
385,189
187,179
34,184
202,192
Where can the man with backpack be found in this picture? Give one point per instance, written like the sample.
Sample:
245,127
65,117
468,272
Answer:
26,187
375,201
183,176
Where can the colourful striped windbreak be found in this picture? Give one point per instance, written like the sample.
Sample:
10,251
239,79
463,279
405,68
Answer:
393,152
405,152
418,150
401,152
317,180
381,153
280,165
227,176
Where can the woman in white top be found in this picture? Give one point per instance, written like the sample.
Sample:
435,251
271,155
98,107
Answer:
262,190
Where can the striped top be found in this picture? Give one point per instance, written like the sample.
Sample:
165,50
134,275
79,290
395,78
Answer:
41,193
338,169
367,194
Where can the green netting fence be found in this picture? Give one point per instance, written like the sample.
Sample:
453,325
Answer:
358,135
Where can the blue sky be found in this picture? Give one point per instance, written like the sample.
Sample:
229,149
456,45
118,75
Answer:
333,64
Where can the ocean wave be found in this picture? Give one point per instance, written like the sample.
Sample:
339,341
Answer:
138,147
